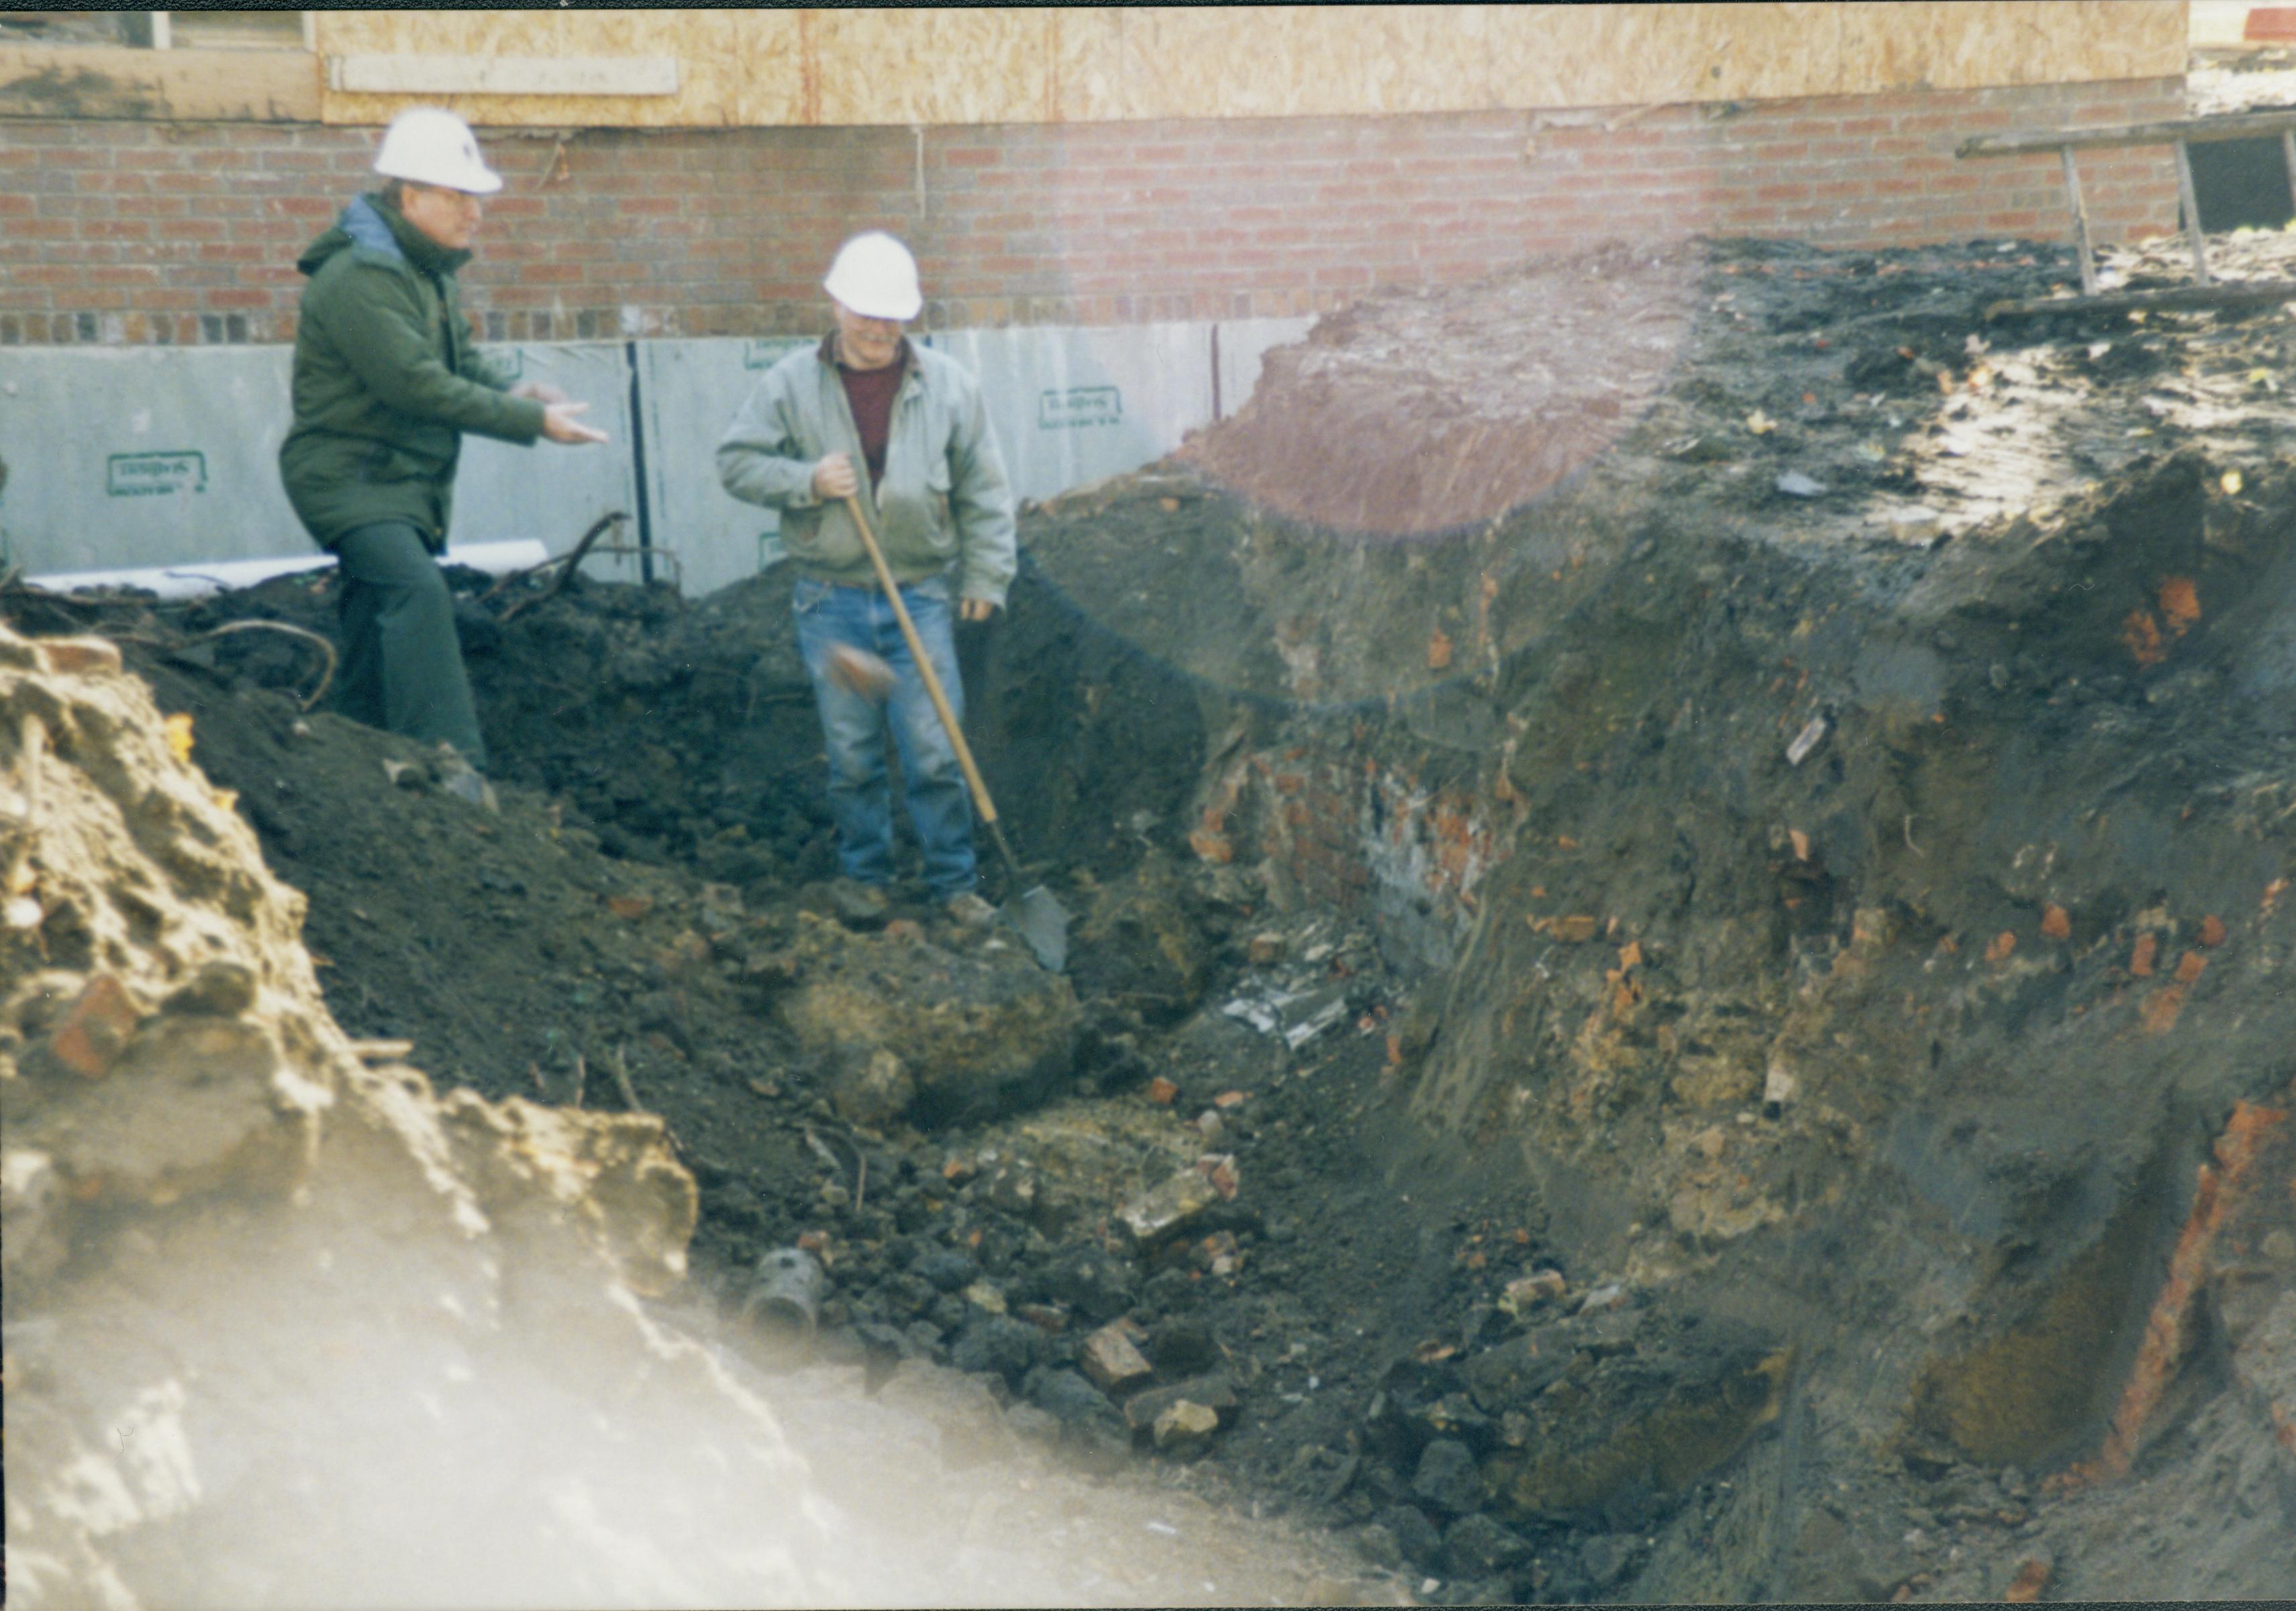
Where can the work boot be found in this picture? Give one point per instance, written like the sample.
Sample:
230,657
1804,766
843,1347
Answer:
967,910
465,781
858,905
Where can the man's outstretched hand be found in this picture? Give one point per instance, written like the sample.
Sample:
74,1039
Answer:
559,425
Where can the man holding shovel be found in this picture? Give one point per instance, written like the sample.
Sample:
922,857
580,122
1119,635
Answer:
867,439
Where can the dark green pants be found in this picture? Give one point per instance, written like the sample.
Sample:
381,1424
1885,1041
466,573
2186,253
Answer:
402,664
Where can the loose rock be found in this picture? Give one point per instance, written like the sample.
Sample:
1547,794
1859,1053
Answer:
1169,1208
1211,1391
1112,1363
1447,1478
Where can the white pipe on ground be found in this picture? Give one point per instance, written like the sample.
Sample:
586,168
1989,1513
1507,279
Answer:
191,582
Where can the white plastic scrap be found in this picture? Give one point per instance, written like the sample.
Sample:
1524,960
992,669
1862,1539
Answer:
1796,485
1257,1014
1812,734
1779,1086
1297,1016
1301,1033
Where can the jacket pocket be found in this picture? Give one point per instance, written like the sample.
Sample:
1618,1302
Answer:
822,536
386,463
940,521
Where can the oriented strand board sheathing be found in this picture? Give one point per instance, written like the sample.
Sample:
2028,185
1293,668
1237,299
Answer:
114,81
1177,60
1088,70
946,65
711,86
2005,42
933,65
1262,61
1642,56
766,61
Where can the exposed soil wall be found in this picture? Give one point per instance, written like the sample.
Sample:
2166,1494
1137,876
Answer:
1869,926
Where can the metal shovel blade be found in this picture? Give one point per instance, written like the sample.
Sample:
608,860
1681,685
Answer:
1042,921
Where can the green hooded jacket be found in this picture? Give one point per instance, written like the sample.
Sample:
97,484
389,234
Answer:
387,379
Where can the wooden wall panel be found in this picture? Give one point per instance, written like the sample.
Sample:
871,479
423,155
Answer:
706,44
114,81
1259,62
1100,64
1766,52
1175,58
1407,66
1631,55
767,69
2005,41
1089,68
933,65
1556,56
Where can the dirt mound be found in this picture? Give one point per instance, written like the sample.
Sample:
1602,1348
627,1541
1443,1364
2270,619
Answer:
518,957
199,1169
1412,412
272,1311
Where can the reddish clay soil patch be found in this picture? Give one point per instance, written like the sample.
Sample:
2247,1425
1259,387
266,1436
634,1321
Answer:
1414,412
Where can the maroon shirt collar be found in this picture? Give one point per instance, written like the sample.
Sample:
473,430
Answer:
827,353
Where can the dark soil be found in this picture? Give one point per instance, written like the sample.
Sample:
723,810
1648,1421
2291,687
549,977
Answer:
1863,1333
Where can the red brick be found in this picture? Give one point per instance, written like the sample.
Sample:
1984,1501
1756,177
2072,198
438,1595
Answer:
94,1029
727,231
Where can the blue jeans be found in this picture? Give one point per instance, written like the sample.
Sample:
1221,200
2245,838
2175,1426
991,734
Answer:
860,796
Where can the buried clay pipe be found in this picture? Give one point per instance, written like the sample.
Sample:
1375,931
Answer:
787,1290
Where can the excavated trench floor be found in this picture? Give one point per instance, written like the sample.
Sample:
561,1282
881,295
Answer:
1830,1144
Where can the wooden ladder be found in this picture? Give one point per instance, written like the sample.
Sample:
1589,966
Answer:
2184,134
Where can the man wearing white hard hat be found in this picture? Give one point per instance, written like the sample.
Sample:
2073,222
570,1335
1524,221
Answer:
387,379
899,429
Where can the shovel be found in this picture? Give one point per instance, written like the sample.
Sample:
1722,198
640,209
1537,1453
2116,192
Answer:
1037,917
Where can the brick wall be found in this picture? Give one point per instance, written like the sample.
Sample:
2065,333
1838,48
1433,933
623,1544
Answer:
126,231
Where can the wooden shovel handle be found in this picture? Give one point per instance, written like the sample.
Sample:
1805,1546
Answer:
924,666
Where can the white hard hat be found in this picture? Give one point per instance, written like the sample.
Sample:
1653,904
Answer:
875,277
434,147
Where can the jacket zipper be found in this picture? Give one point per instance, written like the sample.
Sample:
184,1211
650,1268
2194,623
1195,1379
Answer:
860,459
912,388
